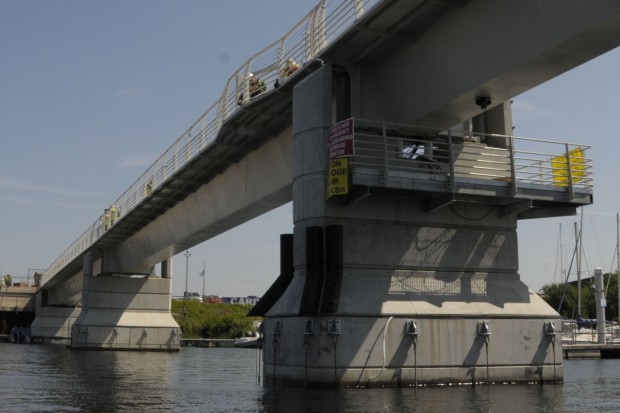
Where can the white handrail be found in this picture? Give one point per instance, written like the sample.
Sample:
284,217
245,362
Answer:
548,163
311,35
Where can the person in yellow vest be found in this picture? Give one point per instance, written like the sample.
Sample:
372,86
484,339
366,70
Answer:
257,86
113,214
8,280
106,219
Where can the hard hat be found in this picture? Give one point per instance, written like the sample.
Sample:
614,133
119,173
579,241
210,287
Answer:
250,74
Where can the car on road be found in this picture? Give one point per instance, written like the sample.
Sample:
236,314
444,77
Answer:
213,299
193,296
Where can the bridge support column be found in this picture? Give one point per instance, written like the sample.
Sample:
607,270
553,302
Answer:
125,313
53,324
166,268
387,292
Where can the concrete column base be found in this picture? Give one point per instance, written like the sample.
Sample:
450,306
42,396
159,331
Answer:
126,314
53,324
360,352
138,338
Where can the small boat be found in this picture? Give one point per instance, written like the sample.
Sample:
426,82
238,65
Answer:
253,339
248,342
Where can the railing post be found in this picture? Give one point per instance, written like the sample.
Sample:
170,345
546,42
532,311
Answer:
188,147
245,84
281,57
203,133
176,157
316,36
359,8
513,173
452,182
569,176
219,118
222,109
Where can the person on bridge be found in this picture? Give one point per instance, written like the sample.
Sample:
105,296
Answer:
8,280
106,219
148,188
290,68
113,214
257,86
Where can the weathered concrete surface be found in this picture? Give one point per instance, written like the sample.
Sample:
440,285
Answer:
122,313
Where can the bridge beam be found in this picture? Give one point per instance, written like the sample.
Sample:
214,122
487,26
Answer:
256,184
486,48
386,293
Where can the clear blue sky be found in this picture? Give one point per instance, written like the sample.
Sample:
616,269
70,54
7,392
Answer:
92,92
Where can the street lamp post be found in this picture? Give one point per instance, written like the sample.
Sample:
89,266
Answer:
187,255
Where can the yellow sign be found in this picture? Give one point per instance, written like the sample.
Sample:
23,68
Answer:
559,167
338,177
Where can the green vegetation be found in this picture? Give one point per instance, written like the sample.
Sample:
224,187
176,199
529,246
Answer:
208,320
552,294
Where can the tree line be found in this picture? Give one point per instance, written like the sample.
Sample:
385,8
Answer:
553,293
210,320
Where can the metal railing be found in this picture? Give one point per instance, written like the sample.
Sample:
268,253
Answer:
393,149
22,282
572,334
317,30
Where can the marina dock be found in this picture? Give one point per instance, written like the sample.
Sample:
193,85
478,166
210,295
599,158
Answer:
591,351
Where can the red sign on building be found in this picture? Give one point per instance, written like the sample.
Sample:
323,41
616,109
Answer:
340,139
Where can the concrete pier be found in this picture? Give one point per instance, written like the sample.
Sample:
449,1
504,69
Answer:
53,324
389,293
122,313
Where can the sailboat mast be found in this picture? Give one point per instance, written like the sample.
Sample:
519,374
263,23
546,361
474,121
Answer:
561,255
577,246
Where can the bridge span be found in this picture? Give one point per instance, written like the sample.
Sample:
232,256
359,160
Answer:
403,260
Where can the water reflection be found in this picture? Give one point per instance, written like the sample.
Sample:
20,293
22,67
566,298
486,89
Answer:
504,399
117,376
54,379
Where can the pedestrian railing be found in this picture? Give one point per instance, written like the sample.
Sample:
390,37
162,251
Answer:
393,151
573,334
302,44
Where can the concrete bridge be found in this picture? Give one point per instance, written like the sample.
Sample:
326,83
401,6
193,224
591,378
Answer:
388,124
17,306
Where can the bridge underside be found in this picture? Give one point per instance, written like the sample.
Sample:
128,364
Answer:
427,61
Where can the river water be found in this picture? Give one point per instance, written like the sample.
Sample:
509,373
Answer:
51,378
